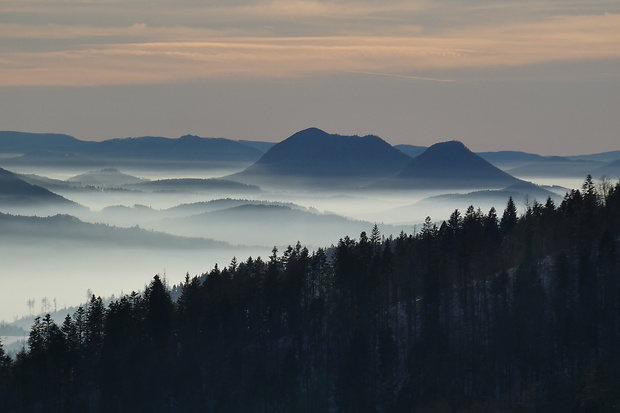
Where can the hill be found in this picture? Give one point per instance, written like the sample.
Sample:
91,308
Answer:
194,185
523,194
15,192
510,159
66,228
556,166
185,148
313,157
23,142
64,150
266,224
498,312
450,165
611,170
598,157
220,204
108,177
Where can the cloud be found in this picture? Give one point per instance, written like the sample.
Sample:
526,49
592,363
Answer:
289,39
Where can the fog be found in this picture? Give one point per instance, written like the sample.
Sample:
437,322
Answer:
56,262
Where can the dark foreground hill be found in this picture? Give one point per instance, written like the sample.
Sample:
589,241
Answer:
313,157
481,313
449,165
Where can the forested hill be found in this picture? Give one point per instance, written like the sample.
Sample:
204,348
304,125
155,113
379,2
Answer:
486,312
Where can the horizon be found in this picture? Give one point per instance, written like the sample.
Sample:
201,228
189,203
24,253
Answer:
617,148
523,76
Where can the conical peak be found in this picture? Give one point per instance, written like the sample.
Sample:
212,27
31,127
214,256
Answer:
449,146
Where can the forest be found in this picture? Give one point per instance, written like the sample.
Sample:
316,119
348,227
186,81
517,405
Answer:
512,311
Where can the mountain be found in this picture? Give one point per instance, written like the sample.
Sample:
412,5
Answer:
108,177
15,192
502,159
449,165
313,157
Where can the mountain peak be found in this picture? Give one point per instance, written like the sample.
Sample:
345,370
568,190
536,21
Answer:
448,149
315,154
452,164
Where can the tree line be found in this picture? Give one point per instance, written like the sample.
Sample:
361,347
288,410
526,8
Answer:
483,312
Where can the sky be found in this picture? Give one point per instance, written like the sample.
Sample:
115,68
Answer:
536,76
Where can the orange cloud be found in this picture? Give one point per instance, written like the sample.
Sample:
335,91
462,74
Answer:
96,56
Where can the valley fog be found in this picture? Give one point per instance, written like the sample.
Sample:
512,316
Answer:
60,266
47,265
63,272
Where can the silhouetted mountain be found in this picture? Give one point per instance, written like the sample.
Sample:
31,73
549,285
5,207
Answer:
501,159
105,178
15,192
313,157
449,165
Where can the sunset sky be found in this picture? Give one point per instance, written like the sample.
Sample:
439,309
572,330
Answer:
536,76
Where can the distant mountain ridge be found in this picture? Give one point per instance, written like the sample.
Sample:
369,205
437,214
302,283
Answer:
23,142
65,150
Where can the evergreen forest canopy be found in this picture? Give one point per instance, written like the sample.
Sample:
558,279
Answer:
485,312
